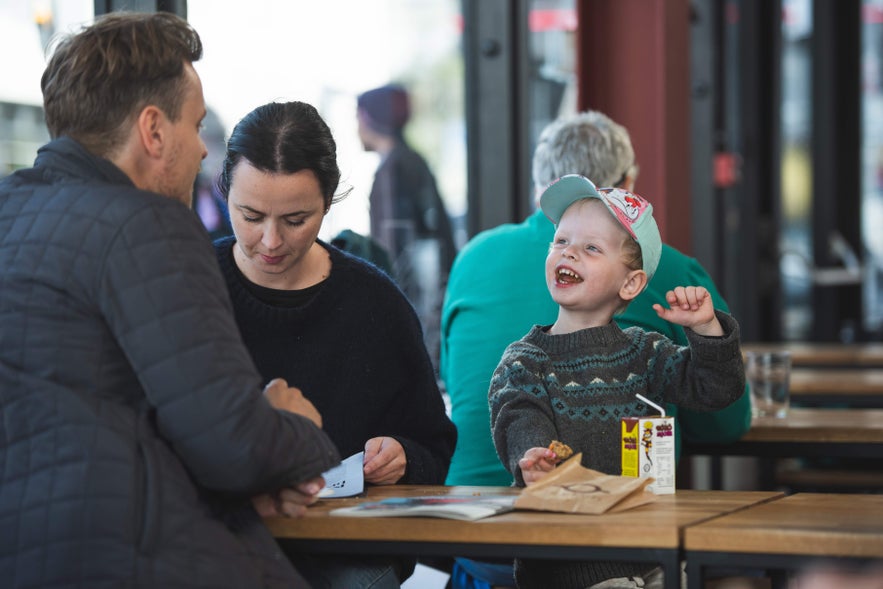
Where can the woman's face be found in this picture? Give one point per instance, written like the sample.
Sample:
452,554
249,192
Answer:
276,219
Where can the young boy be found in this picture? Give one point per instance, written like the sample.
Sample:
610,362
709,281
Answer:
573,380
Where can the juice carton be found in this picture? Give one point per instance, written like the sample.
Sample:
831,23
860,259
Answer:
648,450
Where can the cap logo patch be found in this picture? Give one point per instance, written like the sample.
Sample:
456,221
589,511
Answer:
625,205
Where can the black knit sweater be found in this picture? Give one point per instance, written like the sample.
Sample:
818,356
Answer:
356,351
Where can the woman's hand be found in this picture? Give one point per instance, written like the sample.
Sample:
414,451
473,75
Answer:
385,461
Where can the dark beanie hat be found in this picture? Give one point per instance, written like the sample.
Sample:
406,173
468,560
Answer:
387,108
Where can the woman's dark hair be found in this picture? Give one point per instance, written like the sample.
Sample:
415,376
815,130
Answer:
284,138
97,79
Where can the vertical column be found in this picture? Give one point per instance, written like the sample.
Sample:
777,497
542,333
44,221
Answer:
633,65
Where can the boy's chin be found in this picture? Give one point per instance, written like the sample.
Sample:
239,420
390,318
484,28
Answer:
565,296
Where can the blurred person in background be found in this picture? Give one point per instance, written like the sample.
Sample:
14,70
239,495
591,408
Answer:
408,216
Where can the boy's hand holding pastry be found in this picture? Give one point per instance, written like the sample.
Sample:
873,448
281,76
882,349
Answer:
538,462
691,306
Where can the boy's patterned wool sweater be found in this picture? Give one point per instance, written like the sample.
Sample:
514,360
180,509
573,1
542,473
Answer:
576,387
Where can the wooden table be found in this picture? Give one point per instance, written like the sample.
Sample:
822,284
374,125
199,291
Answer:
804,433
851,387
807,432
826,354
651,533
787,534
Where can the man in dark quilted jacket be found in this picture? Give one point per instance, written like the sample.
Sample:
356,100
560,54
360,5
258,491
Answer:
138,446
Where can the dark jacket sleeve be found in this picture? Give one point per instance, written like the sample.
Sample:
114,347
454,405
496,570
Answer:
162,294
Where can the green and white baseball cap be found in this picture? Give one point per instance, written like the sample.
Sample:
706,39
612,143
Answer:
633,212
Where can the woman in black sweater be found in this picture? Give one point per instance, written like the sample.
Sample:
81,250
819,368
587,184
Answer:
331,324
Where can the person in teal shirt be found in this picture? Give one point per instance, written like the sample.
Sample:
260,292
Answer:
496,292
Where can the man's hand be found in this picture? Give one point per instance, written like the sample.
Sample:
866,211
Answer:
691,306
385,461
290,399
290,501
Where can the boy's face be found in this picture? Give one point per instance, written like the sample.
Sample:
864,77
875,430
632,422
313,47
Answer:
585,269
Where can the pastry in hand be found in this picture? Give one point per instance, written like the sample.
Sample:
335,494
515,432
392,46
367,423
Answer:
561,450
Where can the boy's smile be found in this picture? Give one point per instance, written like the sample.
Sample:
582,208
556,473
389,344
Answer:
566,275
585,268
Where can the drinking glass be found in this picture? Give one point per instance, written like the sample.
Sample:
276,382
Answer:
768,374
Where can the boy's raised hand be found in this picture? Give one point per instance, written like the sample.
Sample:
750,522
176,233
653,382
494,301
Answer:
691,306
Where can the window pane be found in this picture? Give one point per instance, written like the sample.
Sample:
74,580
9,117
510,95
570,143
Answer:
796,231
552,26
25,30
302,50
872,162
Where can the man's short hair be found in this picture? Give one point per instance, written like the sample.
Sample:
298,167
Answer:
100,77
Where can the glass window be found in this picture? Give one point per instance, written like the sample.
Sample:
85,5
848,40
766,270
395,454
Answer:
872,162
552,25
266,50
25,30
796,231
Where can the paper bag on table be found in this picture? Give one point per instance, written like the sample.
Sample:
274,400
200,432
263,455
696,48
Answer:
572,488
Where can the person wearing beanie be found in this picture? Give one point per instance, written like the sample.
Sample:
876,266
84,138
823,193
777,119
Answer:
573,380
408,217
405,203
385,110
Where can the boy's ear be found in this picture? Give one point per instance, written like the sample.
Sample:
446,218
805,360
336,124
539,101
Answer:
633,285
